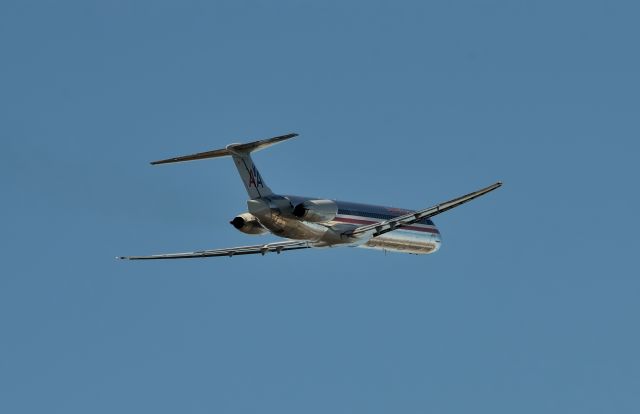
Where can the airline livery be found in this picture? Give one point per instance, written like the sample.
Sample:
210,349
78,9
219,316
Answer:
308,222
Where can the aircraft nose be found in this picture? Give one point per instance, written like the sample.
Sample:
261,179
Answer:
437,239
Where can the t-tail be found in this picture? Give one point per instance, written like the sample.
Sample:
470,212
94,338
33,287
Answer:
241,154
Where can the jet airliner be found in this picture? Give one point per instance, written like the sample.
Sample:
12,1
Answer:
308,222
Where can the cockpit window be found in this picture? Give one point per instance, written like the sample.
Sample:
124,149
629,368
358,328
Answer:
426,221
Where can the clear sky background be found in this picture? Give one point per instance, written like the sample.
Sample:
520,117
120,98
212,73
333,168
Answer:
531,306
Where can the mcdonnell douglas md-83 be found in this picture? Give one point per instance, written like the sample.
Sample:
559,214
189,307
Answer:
308,222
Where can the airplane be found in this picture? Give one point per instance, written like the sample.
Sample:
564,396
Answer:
308,222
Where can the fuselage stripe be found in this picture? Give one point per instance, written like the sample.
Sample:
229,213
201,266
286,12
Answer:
360,221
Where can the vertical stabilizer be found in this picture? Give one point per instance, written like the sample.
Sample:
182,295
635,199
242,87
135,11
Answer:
251,178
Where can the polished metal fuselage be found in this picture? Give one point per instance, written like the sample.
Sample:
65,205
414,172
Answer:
274,212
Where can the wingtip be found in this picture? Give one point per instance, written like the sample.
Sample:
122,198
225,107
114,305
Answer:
162,161
288,136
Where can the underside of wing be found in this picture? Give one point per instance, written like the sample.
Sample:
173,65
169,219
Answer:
398,222
262,249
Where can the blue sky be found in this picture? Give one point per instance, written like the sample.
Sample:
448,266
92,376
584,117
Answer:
530,306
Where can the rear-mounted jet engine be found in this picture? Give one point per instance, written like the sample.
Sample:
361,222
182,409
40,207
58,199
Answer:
247,223
316,211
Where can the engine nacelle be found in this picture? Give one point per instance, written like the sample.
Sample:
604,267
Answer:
248,223
316,211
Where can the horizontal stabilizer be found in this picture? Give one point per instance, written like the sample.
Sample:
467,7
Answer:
229,150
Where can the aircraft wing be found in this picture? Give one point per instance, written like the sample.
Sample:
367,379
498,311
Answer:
407,219
232,251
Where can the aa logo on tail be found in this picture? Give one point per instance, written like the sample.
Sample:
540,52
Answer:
255,179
